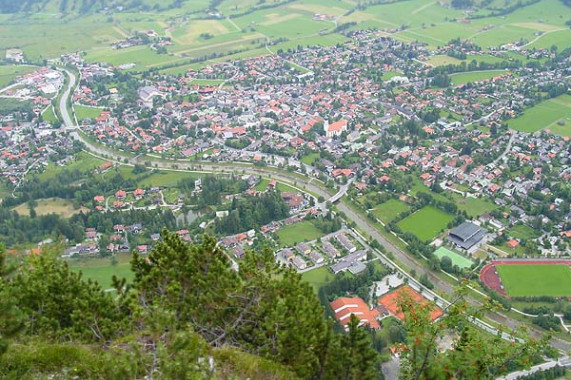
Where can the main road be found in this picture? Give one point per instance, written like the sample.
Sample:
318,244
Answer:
307,184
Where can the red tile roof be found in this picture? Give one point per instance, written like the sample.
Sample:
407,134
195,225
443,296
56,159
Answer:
390,302
343,308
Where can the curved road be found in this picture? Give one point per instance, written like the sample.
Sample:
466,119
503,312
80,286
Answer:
309,185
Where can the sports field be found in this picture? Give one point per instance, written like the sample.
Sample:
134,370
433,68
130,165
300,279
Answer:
546,114
390,209
457,259
426,223
522,280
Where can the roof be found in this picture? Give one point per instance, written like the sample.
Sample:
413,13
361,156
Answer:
343,308
390,302
466,235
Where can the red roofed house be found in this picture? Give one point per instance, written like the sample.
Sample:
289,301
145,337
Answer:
138,193
512,243
335,129
343,308
99,198
121,194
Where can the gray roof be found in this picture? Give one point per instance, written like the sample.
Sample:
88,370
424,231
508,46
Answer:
466,235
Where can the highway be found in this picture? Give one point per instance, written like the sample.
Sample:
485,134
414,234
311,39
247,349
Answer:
309,185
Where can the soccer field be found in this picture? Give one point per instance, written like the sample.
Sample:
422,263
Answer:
426,223
522,280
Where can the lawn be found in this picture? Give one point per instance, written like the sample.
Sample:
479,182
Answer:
473,206
476,76
536,280
83,112
390,210
101,270
57,206
297,233
310,158
441,60
457,259
426,223
544,115
318,277
521,231
263,185
49,115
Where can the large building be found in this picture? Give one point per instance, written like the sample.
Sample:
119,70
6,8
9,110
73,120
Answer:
466,235
343,308
390,302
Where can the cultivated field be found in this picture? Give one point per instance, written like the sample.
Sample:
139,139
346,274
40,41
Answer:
426,223
536,280
546,114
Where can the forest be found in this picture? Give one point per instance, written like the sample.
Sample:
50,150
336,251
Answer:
189,315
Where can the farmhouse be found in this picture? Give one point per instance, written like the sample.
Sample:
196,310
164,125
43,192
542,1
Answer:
466,235
343,308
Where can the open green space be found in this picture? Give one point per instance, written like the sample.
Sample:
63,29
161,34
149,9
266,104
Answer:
474,207
101,270
297,233
308,159
166,179
476,76
521,231
457,259
49,115
83,112
536,280
9,72
318,277
390,210
426,223
63,207
545,115
83,162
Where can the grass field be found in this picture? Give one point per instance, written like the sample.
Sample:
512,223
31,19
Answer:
166,179
536,280
522,231
49,115
545,115
477,76
83,112
296,233
473,206
426,223
101,270
310,158
9,72
457,259
390,210
317,277
57,206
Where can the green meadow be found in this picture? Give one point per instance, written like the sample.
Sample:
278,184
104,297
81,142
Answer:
546,114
